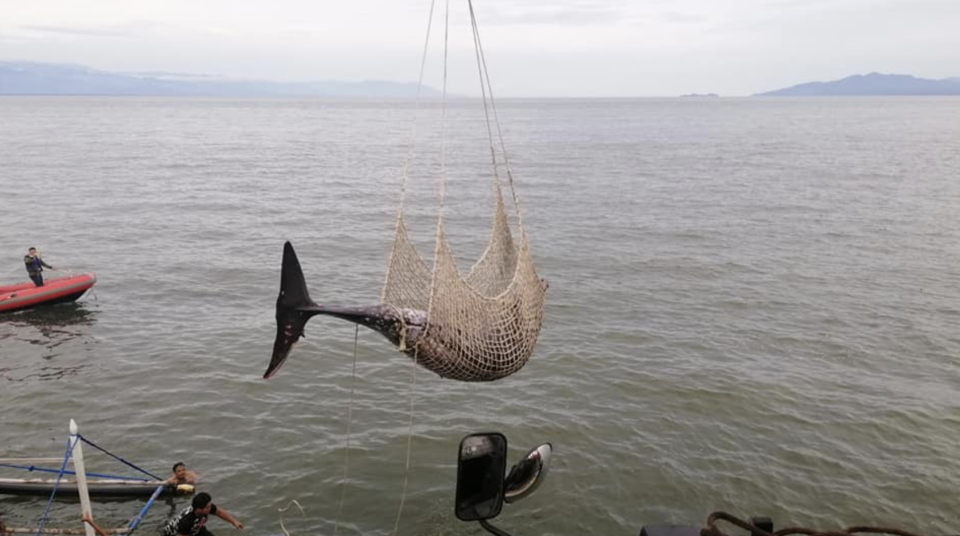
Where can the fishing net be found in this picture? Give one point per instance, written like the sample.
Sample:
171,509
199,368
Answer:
482,325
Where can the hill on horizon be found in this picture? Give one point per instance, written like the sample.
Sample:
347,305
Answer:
872,84
48,79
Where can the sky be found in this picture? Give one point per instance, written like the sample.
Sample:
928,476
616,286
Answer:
533,48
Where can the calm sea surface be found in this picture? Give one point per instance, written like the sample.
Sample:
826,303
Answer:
754,306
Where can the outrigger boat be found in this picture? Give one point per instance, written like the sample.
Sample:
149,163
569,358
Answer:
80,485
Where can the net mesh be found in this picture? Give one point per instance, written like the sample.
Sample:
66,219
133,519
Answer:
481,326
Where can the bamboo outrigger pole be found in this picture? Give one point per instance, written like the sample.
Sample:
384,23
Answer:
77,449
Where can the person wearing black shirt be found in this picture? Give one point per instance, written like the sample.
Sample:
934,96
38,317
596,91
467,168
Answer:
192,520
35,266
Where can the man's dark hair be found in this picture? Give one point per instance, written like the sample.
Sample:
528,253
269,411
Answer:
201,500
32,249
178,464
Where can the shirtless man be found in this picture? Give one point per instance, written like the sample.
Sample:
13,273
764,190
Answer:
182,476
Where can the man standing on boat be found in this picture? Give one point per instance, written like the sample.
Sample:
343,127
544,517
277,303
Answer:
35,266
192,520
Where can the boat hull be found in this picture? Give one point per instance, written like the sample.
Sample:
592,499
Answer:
96,488
57,290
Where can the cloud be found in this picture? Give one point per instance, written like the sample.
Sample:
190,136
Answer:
555,13
574,13
675,17
801,3
126,29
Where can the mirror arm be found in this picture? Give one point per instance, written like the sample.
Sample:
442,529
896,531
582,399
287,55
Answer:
491,529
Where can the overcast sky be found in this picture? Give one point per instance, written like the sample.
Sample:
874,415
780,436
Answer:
548,48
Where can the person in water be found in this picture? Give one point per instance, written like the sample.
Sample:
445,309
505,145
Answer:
35,266
182,476
193,519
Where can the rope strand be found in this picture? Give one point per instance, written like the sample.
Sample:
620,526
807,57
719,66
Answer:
481,66
406,162
406,471
118,458
48,470
346,448
493,104
284,509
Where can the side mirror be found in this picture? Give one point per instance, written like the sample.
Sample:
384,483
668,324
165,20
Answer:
528,473
481,465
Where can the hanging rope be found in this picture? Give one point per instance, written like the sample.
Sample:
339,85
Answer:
714,518
484,82
481,325
443,115
485,76
440,214
346,449
118,458
47,470
406,469
56,485
416,110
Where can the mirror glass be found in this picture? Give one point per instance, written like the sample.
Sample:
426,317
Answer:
481,465
528,474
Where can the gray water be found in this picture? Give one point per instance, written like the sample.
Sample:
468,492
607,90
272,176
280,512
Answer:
754,307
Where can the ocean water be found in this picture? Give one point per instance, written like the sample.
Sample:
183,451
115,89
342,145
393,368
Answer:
754,306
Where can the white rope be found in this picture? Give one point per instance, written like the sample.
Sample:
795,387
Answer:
413,143
416,111
406,470
284,509
413,381
493,104
443,140
439,237
443,113
483,92
346,449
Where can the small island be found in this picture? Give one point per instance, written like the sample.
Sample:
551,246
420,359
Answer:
700,96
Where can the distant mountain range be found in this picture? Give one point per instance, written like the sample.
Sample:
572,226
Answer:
29,78
871,84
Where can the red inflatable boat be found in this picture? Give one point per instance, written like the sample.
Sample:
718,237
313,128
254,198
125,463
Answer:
57,290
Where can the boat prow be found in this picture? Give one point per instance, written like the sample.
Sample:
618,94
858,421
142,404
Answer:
57,290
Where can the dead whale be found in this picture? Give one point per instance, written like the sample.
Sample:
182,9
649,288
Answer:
433,345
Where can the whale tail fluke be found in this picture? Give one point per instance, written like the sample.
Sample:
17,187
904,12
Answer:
294,309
